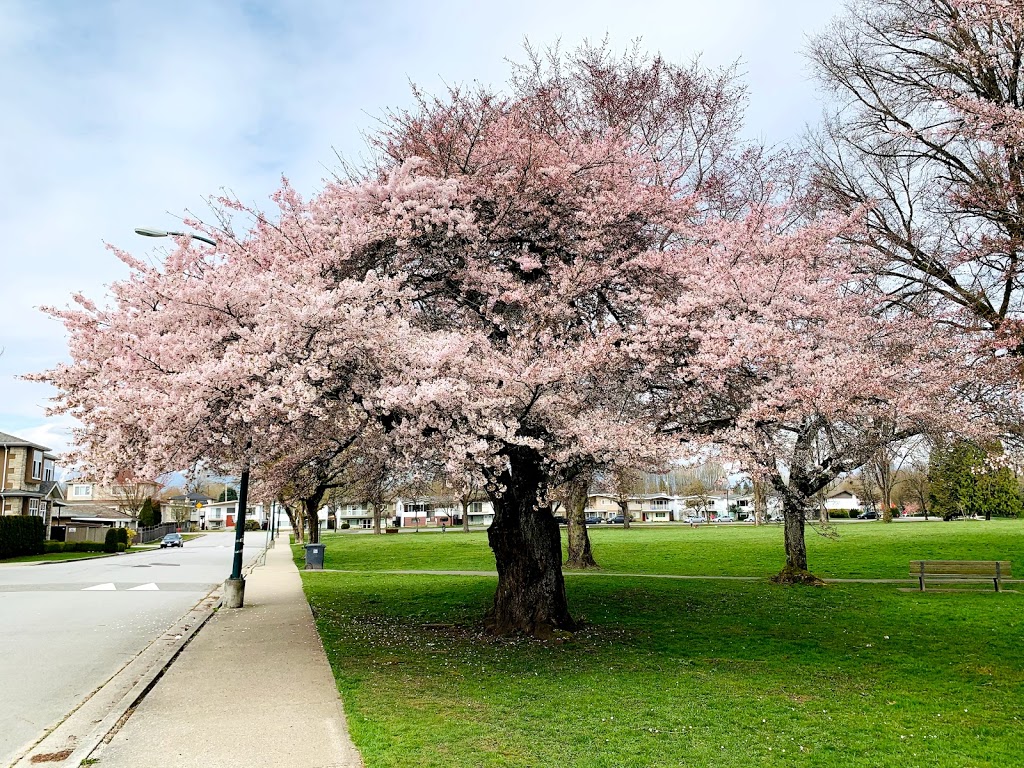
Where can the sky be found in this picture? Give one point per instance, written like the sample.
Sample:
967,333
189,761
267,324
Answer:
116,114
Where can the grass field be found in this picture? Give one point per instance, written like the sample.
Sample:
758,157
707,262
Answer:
859,550
682,673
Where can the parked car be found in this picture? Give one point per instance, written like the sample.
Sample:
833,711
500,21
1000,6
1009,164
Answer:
593,521
561,520
694,519
725,518
617,520
868,515
172,540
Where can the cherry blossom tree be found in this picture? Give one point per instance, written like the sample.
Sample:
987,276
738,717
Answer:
804,366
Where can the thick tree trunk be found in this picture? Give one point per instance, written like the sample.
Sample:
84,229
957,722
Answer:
794,509
524,537
313,516
376,517
580,555
465,515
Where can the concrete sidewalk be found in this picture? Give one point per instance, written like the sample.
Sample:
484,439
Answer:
253,688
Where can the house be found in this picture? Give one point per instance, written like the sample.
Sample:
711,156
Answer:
125,494
222,515
27,478
843,499
655,508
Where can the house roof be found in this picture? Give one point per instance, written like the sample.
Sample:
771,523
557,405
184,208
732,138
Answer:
93,512
193,497
13,441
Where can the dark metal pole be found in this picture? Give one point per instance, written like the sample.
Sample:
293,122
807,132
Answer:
243,501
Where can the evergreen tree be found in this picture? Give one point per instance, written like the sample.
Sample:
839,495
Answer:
148,517
961,484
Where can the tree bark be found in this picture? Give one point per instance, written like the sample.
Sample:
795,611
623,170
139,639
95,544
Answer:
376,517
465,515
624,509
311,506
296,522
524,537
794,509
580,555
760,502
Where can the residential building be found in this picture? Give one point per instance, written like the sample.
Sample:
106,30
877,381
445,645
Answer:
222,515
27,478
125,495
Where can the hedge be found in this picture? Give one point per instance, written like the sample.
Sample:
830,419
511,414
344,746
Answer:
22,535
111,540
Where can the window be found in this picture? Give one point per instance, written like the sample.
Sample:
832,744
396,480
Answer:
81,490
366,523
37,465
33,507
476,508
47,471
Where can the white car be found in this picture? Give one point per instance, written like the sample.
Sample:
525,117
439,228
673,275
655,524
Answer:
726,518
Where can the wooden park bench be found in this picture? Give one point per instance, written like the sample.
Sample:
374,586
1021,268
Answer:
961,570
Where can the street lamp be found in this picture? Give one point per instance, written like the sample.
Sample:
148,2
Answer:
150,232
234,587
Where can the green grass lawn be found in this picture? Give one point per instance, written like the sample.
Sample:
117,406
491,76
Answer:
53,556
858,550
682,673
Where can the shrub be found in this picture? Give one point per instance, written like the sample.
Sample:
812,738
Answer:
252,525
111,541
84,546
839,513
345,526
122,536
53,546
121,546
22,535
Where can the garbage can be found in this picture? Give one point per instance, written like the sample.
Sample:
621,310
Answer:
315,557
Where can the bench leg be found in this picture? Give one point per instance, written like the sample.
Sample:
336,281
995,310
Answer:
920,582
996,580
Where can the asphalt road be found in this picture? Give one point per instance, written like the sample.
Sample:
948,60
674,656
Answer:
66,628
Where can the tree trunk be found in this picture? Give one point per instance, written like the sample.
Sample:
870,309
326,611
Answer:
524,537
760,502
794,510
376,517
580,555
624,509
465,515
295,521
311,507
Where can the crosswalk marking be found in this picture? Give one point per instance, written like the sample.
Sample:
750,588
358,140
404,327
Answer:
108,587
144,588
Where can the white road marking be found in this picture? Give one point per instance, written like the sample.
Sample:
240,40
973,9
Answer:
108,587
145,588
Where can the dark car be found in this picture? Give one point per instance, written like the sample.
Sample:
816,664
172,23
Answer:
617,520
172,540
593,521
561,520
869,515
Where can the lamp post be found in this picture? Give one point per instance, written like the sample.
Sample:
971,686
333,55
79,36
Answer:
234,586
150,232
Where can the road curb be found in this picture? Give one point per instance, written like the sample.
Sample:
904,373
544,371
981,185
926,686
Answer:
175,639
